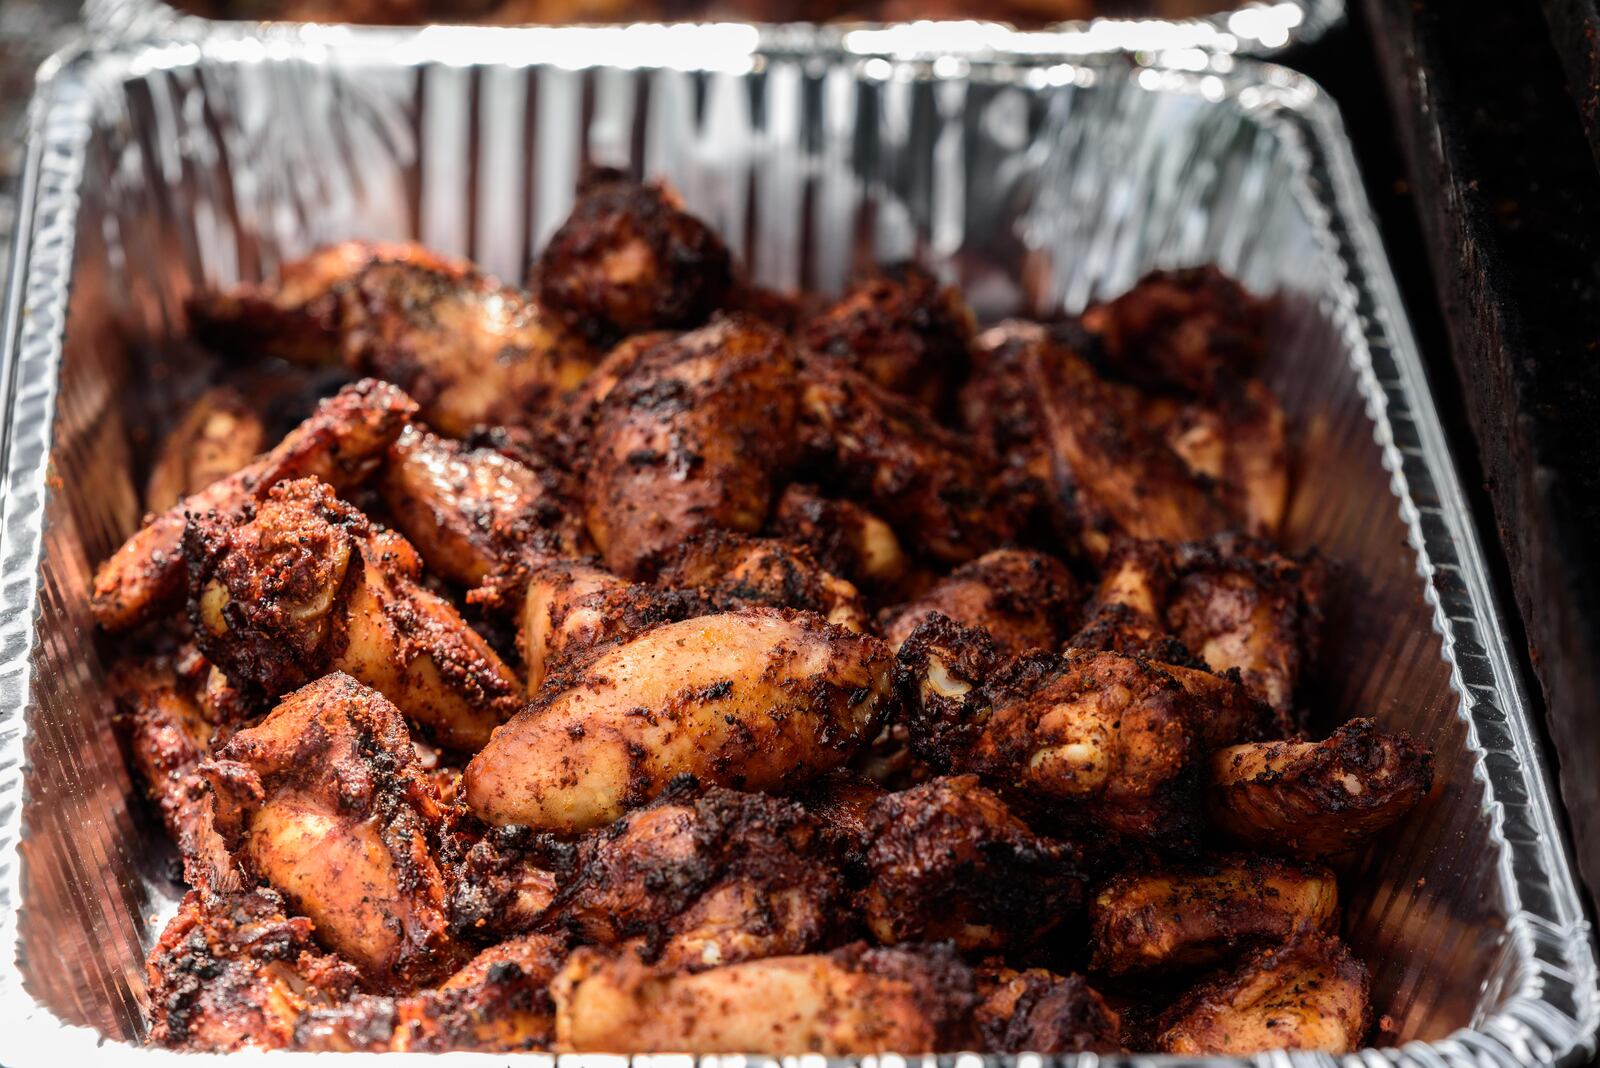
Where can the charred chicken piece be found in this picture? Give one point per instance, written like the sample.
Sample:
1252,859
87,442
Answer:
1316,799
503,883
845,538
232,971
1181,917
473,352
1024,599
841,802
308,585
888,452
732,571
1237,438
630,259
849,1002
342,443
324,800
499,1002
757,699
1310,994
691,439
902,328
949,861
699,878
564,435
473,512
1128,613
1037,1011
216,437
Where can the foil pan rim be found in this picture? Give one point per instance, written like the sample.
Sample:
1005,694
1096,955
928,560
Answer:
1551,1016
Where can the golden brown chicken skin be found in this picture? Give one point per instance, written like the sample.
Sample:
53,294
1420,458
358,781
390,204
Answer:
1163,919
949,861
757,699
233,971
471,351
341,443
844,537
1024,599
691,439
702,878
1310,994
850,1002
325,801
216,437
1037,1011
630,259
308,585
733,570
903,329
1315,799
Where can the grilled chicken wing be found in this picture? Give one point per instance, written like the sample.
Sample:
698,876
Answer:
342,443
1024,599
1238,439
690,439
1128,612
218,436
308,585
949,861
499,1002
732,571
1181,917
325,801
845,538
757,699
1036,1011
630,259
1315,799
471,351
903,329
502,884
702,878
232,971
841,803
850,1002
1309,994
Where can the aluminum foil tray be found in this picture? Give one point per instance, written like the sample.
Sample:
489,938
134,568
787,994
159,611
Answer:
154,169
1262,28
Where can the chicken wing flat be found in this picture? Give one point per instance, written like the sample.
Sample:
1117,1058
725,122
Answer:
471,351
757,699
324,800
732,571
1024,599
949,861
1315,799
218,436
341,443
1164,919
307,586
630,259
702,878
845,538
903,329
850,1002
1310,994
232,971
1037,1011
691,439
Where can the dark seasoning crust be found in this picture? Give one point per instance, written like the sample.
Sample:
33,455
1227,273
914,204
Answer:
791,677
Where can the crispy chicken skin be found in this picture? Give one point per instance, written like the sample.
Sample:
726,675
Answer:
702,878
1315,799
1037,1011
341,443
308,585
850,1002
232,971
471,351
845,538
1164,919
949,861
325,801
758,699
691,439
499,1002
218,435
732,571
903,329
629,259
1309,994
1024,599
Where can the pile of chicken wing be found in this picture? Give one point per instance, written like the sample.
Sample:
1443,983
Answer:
646,661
